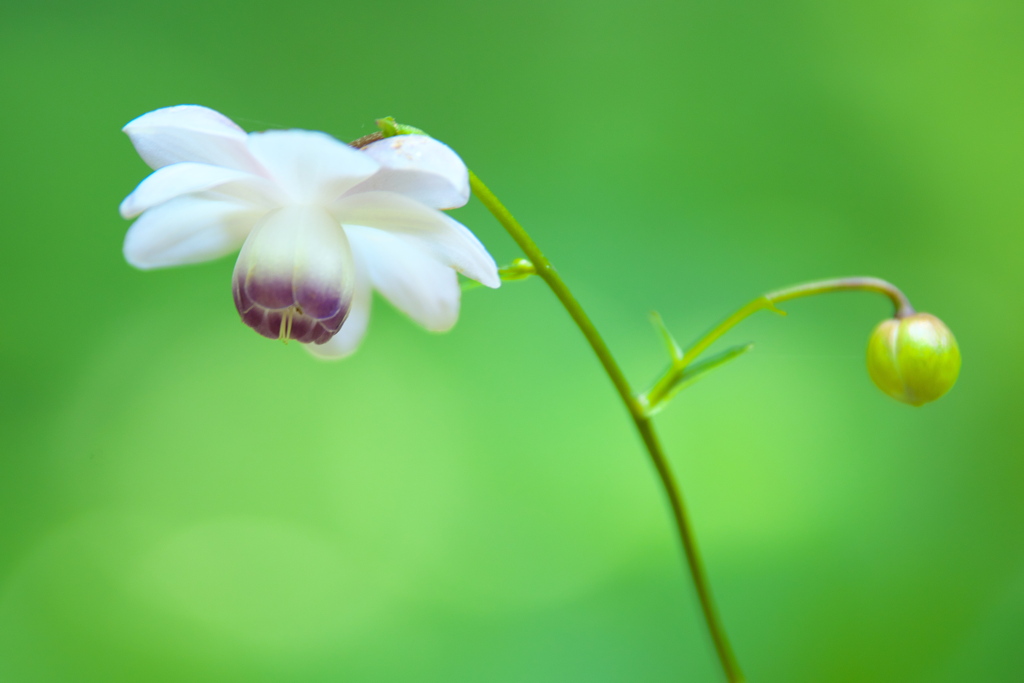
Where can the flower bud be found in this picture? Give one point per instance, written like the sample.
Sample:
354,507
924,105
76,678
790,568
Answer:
914,359
519,269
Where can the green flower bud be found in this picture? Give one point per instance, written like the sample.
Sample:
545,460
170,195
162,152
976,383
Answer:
520,269
914,359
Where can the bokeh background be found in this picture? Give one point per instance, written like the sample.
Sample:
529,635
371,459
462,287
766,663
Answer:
182,500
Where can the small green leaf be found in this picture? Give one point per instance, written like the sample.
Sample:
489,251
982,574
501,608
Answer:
692,373
674,351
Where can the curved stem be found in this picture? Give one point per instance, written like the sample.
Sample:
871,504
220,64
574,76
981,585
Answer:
547,272
637,411
663,387
900,302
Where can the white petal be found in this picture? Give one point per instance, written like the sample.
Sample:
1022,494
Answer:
312,167
420,167
188,229
191,133
348,339
408,277
184,178
447,239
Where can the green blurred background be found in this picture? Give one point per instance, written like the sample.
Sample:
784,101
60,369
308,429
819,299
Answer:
183,500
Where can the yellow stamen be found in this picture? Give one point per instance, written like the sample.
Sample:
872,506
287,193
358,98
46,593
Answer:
285,333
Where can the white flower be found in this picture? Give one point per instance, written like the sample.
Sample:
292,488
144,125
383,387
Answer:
320,224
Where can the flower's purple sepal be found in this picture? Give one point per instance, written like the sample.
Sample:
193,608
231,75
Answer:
294,276
292,321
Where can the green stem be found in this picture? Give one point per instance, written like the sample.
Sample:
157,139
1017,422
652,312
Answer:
900,302
637,412
663,387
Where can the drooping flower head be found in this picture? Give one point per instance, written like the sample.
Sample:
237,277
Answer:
320,224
